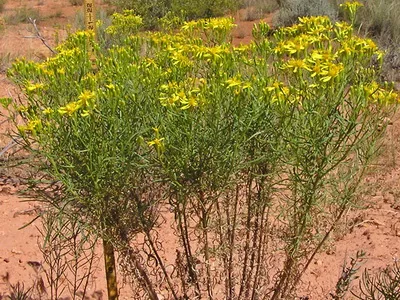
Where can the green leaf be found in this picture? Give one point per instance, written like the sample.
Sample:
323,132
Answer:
5,101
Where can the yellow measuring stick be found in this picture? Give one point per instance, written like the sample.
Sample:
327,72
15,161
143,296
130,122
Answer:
90,24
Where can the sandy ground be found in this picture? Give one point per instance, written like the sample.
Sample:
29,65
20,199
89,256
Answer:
373,228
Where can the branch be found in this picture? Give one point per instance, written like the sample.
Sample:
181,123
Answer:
39,36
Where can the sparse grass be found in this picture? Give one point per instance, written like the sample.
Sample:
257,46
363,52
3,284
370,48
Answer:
19,292
5,62
76,2
22,15
57,14
349,271
384,285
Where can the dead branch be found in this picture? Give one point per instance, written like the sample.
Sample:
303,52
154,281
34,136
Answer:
39,36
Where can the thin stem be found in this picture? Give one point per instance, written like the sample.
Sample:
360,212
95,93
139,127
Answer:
162,266
247,243
261,245
232,242
142,275
204,223
183,228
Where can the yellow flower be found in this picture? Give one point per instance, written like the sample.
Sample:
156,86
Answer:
296,64
31,87
85,113
110,86
351,6
297,44
232,82
278,92
69,109
32,126
316,69
85,99
22,108
156,142
379,55
276,86
48,111
331,72
280,48
189,103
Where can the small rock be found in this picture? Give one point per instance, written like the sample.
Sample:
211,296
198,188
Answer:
16,251
6,260
367,233
170,269
318,262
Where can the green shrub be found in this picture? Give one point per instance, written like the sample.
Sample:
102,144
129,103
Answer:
149,10
152,10
291,10
204,8
252,153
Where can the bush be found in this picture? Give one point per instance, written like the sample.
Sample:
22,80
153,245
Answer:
291,10
204,8
151,11
252,154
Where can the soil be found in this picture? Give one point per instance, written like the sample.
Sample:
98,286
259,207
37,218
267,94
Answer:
373,227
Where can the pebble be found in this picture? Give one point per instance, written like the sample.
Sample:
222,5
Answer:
389,198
